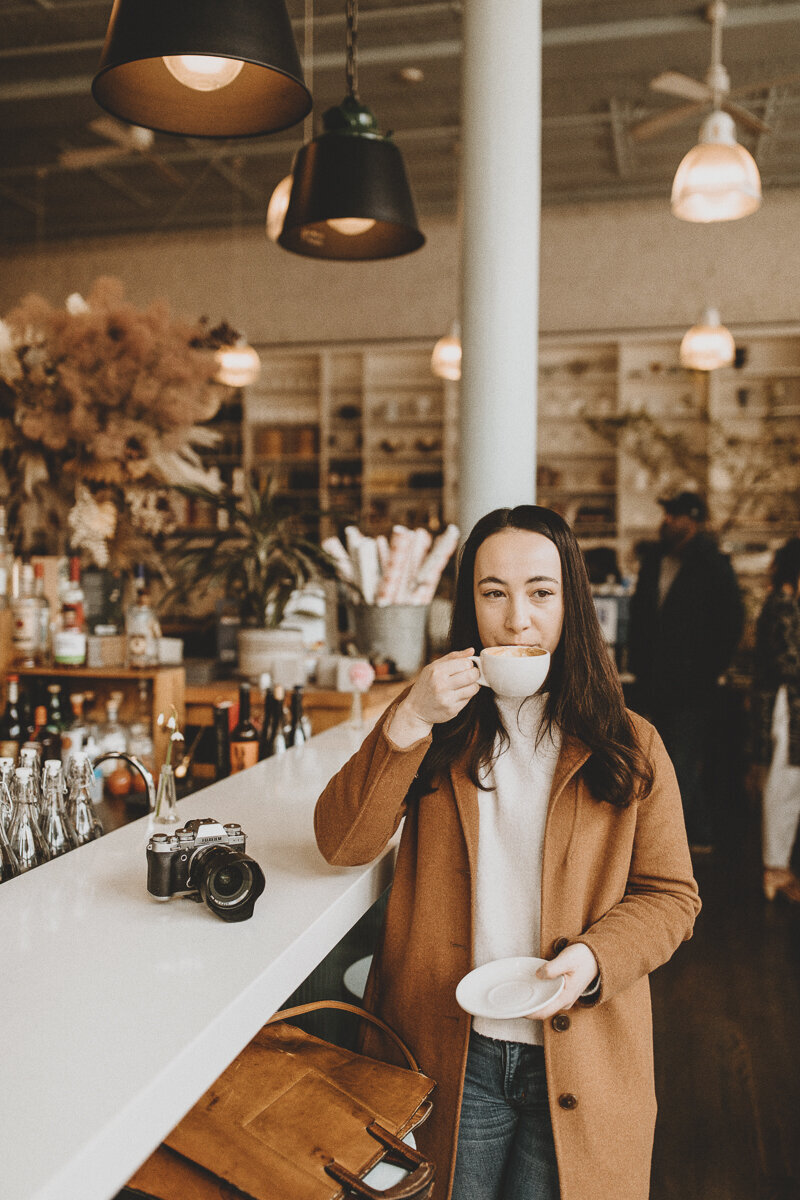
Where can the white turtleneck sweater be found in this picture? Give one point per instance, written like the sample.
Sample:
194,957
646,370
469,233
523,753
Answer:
510,842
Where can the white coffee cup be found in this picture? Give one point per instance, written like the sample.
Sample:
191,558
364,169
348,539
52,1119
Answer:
513,670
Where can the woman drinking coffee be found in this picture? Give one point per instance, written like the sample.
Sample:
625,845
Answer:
543,825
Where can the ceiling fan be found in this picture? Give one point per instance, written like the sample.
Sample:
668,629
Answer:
714,92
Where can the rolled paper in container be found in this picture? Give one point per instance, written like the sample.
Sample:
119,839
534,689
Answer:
420,545
368,571
383,552
399,551
430,572
332,546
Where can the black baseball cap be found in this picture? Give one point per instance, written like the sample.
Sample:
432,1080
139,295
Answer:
685,504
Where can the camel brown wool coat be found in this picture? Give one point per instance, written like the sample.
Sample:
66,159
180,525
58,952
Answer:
619,880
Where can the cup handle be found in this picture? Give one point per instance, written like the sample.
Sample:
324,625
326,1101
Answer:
476,658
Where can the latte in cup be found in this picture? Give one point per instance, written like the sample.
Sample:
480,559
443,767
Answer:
513,670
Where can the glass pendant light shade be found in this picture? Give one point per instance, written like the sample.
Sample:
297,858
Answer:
718,180
202,69
446,357
237,365
707,346
350,197
276,209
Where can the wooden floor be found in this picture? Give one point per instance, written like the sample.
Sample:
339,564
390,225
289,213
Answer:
727,1034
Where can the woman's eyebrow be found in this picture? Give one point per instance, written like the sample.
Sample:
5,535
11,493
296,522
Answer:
533,579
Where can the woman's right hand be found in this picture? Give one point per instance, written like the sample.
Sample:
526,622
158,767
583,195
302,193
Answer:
438,694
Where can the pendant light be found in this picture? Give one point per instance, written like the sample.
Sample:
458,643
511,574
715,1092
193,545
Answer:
202,69
718,180
350,198
237,364
708,345
446,357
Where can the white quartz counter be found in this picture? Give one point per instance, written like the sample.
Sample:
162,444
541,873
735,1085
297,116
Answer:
118,1011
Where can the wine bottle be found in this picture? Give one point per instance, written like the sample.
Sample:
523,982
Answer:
222,739
10,723
265,736
297,731
244,735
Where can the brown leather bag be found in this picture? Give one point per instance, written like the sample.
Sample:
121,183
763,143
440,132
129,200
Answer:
296,1118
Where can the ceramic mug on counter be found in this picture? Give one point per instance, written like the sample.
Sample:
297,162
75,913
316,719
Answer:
513,670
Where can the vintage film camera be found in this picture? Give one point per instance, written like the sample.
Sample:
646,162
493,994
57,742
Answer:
208,859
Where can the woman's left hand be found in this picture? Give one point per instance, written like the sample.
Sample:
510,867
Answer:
579,967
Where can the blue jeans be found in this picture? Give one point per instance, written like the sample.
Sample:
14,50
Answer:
505,1140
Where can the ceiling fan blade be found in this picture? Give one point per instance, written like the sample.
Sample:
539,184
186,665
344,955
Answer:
672,83
651,126
764,85
743,117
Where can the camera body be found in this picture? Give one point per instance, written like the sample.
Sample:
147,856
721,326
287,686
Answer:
174,860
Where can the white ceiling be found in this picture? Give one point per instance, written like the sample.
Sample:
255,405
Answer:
598,59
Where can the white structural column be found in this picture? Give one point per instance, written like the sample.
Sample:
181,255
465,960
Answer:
500,164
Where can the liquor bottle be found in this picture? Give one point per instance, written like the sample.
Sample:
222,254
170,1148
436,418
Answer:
25,836
74,736
6,563
277,737
298,722
244,735
69,641
25,610
45,743
11,737
222,739
80,808
112,736
141,626
55,723
265,733
44,635
56,828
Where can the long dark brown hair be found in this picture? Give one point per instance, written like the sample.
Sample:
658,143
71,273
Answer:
584,697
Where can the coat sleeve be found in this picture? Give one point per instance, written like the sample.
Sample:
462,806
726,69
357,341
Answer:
364,802
661,900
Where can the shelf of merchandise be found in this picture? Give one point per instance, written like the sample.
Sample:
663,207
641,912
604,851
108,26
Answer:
374,416
166,688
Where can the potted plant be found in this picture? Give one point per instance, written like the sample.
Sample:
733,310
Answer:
259,556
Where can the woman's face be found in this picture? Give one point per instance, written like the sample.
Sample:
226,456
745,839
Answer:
517,588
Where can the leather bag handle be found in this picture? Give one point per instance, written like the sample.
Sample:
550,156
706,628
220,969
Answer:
414,1187
341,1006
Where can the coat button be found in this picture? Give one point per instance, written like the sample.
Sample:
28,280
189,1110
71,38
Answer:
567,1100
561,1022
560,944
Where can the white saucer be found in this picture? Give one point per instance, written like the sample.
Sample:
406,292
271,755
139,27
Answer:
506,988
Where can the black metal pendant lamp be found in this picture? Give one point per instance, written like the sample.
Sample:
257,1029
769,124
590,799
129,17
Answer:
202,68
350,198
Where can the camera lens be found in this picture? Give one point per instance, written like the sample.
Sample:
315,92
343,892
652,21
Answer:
228,881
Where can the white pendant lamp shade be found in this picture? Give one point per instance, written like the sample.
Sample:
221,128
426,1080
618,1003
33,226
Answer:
718,179
708,345
237,365
446,357
276,209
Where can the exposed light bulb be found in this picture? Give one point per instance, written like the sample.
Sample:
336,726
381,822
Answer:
237,365
446,357
351,226
203,72
707,345
278,206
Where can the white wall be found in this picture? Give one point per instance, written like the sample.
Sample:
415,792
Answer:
604,266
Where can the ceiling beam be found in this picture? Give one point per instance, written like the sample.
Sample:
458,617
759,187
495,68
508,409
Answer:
402,53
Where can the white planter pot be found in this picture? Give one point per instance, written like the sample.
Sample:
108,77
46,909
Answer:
278,652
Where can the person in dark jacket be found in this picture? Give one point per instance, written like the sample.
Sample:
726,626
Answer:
685,623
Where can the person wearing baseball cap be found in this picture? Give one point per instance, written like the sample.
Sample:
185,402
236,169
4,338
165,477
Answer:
685,623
